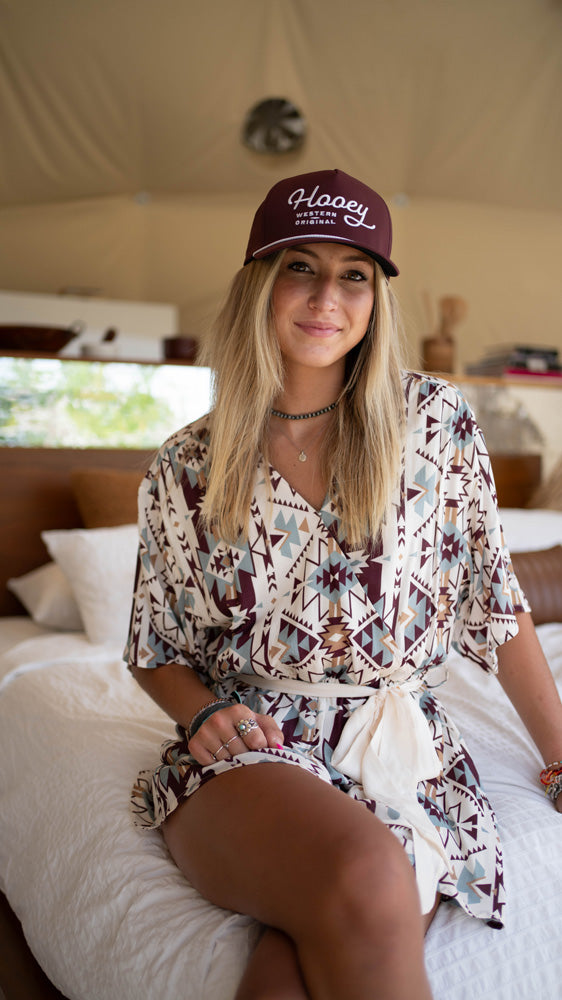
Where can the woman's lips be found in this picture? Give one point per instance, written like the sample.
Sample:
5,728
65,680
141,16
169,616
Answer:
318,329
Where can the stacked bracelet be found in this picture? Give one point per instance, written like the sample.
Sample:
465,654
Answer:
205,713
551,778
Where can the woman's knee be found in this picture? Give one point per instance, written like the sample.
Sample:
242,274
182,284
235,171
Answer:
371,885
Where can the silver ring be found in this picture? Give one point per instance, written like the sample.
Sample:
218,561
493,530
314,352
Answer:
225,745
218,750
245,726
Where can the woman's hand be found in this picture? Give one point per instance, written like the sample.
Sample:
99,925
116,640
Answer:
218,738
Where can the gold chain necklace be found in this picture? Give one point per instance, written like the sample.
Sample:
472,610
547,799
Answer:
301,452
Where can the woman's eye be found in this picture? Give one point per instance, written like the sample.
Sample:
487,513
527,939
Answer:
356,276
304,267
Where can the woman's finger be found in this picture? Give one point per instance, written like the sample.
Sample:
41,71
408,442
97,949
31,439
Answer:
271,731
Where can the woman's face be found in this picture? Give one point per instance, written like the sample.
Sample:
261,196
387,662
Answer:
322,302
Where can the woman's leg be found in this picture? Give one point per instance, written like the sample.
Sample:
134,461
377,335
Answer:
275,842
274,961
273,971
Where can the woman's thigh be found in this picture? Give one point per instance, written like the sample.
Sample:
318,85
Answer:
261,838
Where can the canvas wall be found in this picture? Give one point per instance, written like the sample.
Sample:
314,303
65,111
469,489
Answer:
505,262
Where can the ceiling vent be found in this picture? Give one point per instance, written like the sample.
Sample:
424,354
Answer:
274,126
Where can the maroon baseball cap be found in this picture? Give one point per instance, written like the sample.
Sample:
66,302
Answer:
326,206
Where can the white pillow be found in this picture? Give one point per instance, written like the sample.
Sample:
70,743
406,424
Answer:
526,530
99,564
47,596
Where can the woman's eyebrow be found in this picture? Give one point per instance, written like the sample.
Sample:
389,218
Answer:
348,259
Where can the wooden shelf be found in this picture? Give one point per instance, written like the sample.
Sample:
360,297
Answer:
534,381
117,360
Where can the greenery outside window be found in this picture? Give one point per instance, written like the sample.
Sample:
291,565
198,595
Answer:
50,403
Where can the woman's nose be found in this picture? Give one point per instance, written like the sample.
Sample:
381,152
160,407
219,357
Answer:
323,294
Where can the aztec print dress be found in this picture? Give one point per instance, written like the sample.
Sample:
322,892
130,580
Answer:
293,611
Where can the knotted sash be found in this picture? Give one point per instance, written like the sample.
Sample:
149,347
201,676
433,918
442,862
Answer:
387,747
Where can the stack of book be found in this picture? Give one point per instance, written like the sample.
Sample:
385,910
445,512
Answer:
519,361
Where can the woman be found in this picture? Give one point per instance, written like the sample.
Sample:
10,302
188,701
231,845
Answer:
308,554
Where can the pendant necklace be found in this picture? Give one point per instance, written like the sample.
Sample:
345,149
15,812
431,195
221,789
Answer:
303,416
301,452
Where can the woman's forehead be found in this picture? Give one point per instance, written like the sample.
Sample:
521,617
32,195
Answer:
343,252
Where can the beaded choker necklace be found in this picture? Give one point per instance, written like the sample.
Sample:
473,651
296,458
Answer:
303,416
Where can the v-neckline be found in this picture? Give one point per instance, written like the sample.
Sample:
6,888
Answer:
326,503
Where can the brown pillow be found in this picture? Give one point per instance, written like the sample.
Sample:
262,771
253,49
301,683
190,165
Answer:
106,497
540,576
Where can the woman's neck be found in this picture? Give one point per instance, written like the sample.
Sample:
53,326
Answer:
305,392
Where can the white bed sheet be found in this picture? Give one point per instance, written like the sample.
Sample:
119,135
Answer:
15,630
108,915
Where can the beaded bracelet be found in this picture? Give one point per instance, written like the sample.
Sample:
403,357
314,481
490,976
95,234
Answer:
551,778
205,713
554,789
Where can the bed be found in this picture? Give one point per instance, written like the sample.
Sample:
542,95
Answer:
103,909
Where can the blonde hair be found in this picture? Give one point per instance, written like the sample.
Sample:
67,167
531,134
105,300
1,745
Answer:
362,450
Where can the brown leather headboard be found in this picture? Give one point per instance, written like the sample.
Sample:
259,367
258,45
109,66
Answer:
517,477
36,494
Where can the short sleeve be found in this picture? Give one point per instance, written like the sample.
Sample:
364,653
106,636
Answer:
491,596
165,626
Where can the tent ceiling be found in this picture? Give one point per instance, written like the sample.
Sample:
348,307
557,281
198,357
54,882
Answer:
456,99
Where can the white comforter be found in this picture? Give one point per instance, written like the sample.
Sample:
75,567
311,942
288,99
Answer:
103,907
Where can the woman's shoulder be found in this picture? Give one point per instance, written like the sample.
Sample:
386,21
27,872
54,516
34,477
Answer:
426,392
186,447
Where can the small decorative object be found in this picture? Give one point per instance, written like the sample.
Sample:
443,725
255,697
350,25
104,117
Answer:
439,350
80,291
104,348
180,348
274,126
36,338
520,361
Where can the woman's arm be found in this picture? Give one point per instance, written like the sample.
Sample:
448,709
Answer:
528,682
176,688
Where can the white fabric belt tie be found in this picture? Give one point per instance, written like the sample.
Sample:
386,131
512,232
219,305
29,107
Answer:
387,747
